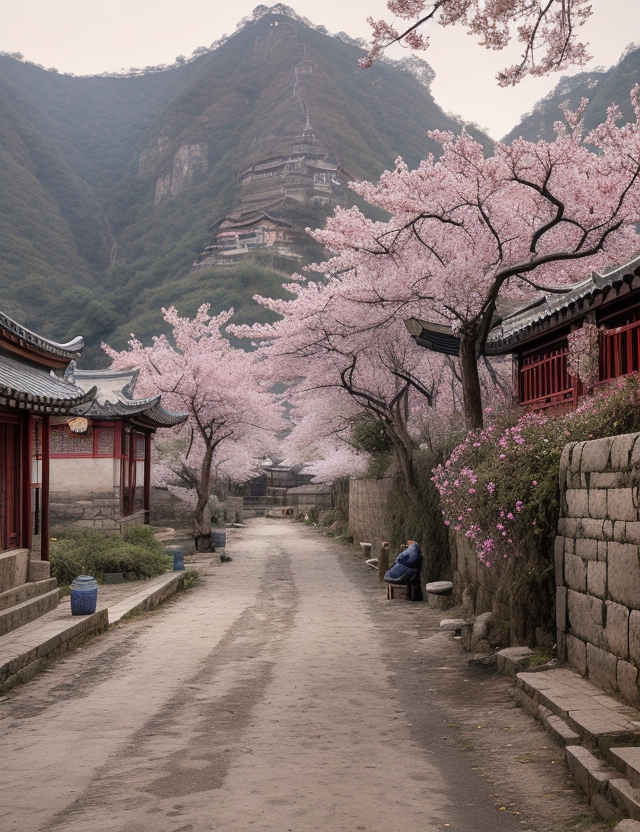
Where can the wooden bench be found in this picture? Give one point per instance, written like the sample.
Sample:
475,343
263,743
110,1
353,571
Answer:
410,590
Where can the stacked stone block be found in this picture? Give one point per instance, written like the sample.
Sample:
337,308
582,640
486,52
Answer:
474,585
597,562
98,510
369,511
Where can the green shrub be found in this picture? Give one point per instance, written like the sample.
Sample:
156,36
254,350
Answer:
499,488
90,552
143,536
368,435
421,519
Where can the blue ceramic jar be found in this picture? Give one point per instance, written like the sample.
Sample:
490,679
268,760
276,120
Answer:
84,595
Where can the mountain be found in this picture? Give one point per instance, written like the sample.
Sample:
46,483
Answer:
112,186
601,88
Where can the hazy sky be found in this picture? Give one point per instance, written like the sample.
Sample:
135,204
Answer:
91,36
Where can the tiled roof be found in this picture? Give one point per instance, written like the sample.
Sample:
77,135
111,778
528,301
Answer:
434,337
519,323
551,308
26,386
70,350
157,416
114,398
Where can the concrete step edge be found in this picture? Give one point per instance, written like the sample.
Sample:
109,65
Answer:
625,797
588,772
627,761
27,611
149,598
12,597
557,727
27,660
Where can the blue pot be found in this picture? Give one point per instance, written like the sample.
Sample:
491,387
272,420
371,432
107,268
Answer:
84,595
219,539
178,558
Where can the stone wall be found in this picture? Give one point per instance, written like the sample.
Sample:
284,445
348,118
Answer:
474,586
597,562
369,520
169,510
96,510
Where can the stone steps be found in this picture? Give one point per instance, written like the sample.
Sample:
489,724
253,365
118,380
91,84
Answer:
30,609
601,738
18,594
27,650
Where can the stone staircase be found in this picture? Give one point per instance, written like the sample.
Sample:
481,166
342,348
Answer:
26,590
601,737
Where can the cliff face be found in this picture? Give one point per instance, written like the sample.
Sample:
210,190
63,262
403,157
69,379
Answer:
109,186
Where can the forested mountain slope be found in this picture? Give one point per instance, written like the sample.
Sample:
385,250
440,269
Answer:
109,185
602,89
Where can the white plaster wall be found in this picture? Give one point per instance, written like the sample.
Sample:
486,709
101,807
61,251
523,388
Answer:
83,475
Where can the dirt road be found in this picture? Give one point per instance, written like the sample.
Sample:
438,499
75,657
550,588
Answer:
282,693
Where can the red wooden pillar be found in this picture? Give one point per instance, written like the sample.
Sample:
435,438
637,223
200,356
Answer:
24,539
132,471
46,450
147,478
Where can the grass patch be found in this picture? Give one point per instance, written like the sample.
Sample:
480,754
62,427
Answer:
540,657
465,744
90,552
191,578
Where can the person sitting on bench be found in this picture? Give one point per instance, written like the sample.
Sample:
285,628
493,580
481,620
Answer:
406,571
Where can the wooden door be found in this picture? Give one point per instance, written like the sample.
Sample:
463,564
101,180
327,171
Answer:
12,503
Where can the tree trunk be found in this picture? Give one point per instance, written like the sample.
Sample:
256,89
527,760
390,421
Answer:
403,447
201,518
404,457
471,392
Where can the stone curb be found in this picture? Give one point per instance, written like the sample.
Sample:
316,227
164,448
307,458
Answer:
149,597
32,650
35,649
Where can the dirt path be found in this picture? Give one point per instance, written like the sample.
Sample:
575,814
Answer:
284,694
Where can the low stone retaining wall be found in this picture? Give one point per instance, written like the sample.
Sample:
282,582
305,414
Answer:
369,520
474,585
597,562
97,510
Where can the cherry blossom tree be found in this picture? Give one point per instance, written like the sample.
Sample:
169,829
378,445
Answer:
466,228
232,417
343,356
547,29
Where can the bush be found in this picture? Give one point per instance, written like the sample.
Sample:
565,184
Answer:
421,520
90,552
143,536
368,435
500,489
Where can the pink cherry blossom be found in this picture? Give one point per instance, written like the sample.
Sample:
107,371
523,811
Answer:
547,29
467,228
232,418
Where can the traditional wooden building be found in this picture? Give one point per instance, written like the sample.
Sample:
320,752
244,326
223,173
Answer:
241,232
101,457
536,333
33,391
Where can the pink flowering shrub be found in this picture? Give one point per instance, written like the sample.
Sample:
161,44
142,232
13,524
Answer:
499,486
